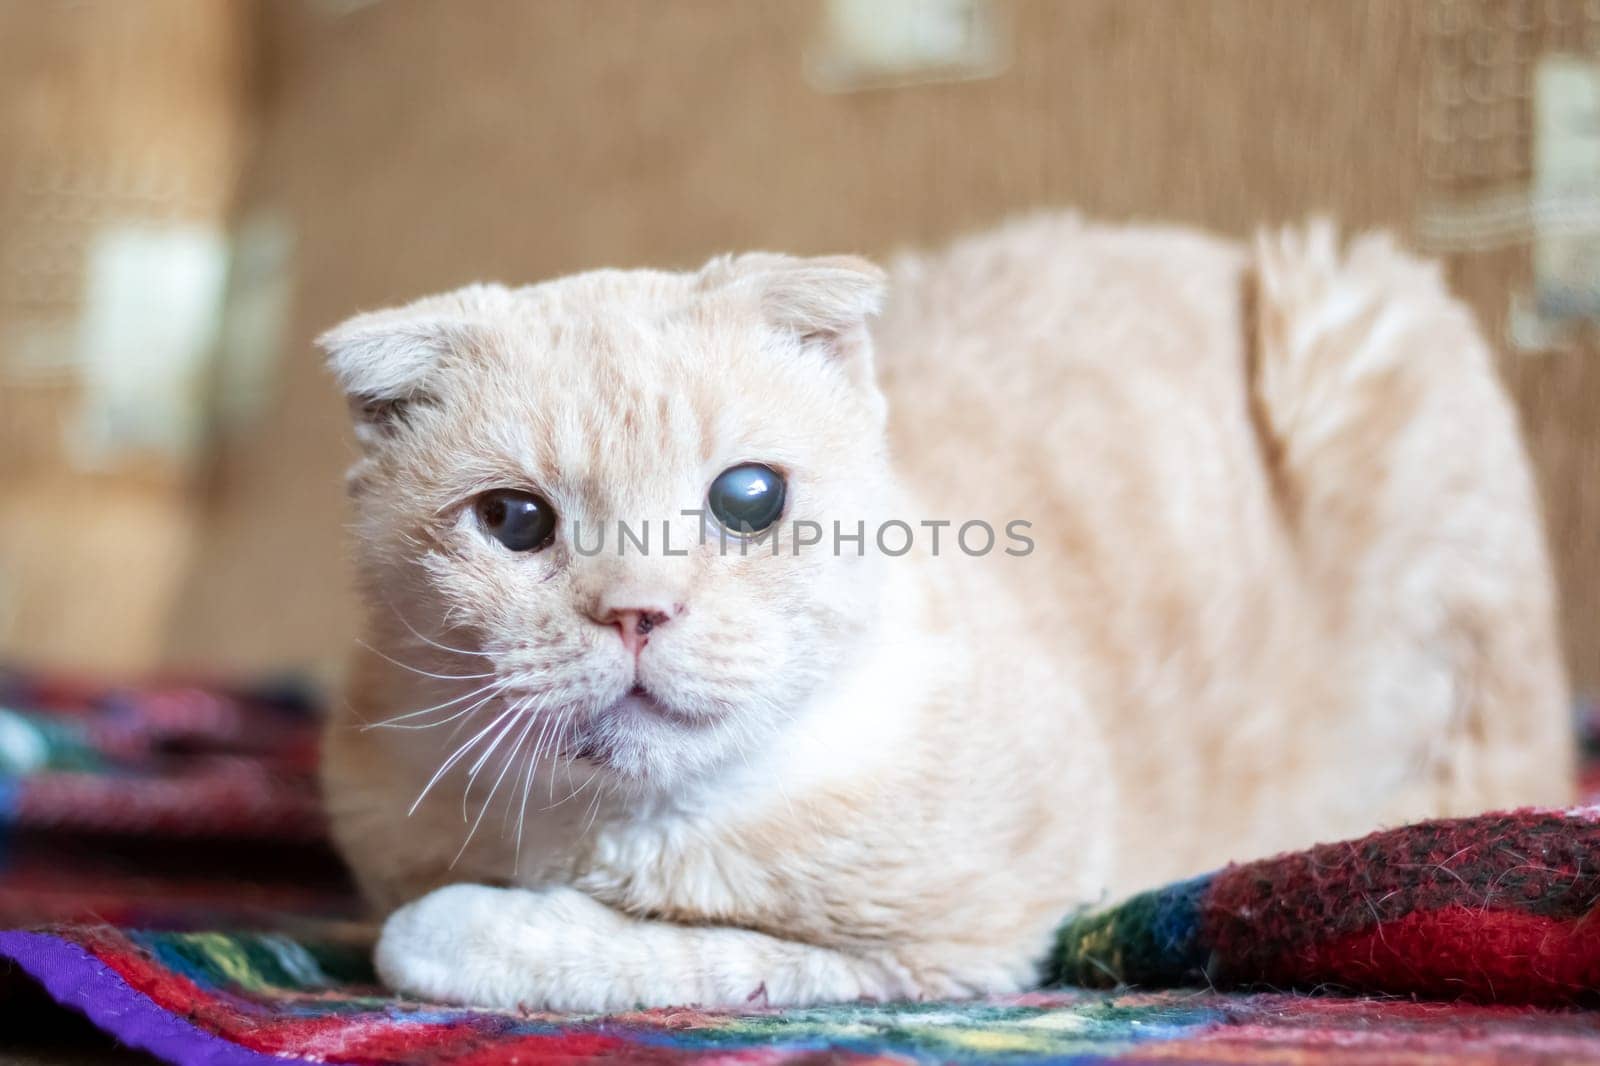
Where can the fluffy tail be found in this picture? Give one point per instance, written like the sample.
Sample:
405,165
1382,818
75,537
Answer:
1402,478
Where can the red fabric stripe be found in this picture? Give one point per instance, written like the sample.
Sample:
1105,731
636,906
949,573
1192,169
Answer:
1460,952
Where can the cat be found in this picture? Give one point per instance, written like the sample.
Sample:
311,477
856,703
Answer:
1267,569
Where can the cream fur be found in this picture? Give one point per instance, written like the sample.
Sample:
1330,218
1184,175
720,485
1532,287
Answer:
1289,584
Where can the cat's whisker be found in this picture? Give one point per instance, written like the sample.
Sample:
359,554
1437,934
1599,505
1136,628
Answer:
573,794
459,754
483,758
505,818
526,772
394,723
455,730
423,725
551,733
555,746
428,640
594,811
522,809
569,725
516,707
544,727
424,673
488,800
556,738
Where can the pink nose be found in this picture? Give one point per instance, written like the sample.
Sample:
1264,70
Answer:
634,625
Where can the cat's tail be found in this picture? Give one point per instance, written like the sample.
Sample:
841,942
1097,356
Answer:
1404,485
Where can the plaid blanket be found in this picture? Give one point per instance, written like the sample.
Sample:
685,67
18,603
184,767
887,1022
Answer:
162,871
173,805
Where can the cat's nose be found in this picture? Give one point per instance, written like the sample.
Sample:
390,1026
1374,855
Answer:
635,624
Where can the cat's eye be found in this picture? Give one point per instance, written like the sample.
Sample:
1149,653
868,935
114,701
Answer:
521,521
746,498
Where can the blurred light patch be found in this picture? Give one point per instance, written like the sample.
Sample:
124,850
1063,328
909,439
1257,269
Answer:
152,308
869,44
1566,187
1510,130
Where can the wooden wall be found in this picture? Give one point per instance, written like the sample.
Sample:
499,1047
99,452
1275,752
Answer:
115,117
414,146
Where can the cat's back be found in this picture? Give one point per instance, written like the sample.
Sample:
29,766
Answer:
1050,331
1090,379
1237,466
1093,382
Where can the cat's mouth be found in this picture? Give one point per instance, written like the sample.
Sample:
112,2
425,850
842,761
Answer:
641,700
638,708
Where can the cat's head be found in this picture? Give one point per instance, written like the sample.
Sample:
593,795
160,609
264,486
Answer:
506,433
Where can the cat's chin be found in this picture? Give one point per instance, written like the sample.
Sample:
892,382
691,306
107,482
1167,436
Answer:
619,737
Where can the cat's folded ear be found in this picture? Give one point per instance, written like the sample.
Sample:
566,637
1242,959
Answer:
821,299
385,361
822,302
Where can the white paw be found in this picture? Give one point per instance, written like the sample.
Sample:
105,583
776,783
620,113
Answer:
498,947
555,948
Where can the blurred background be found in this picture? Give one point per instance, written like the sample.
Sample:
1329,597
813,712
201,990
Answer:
192,189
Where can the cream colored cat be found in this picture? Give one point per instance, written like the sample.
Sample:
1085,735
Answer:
1287,583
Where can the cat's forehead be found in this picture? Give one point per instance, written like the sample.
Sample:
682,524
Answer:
625,343
609,313
651,374
614,386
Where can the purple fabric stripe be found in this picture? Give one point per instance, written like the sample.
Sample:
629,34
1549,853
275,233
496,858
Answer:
75,978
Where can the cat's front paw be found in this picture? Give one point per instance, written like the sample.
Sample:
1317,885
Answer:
496,947
555,948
